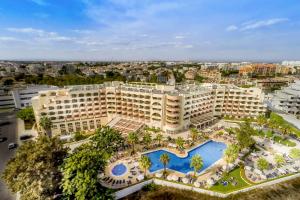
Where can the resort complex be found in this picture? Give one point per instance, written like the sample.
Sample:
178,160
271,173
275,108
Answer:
171,108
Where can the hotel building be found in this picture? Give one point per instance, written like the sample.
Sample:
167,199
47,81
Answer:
168,107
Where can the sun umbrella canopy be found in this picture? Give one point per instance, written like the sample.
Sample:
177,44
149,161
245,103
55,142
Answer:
185,180
140,177
197,184
175,178
158,175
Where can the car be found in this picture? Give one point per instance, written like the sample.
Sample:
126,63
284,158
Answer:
3,139
25,137
12,146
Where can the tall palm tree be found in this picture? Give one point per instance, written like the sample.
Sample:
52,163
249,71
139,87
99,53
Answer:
145,163
194,134
164,159
261,120
46,124
196,163
231,153
180,143
159,137
147,139
132,138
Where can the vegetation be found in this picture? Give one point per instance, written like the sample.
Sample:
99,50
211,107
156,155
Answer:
231,153
74,79
279,159
159,137
46,124
147,139
236,175
196,163
164,159
79,136
80,171
180,143
194,134
132,139
34,170
294,153
107,139
145,163
26,114
263,164
244,134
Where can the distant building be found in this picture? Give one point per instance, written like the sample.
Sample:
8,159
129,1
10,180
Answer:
287,100
291,63
21,97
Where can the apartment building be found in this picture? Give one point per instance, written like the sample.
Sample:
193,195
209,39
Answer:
287,100
20,97
172,108
237,102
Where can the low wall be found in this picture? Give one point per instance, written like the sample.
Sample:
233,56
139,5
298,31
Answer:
132,189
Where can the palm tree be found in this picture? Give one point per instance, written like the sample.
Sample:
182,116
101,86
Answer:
196,163
132,138
180,143
46,124
147,139
194,134
164,159
159,137
145,163
231,153
261,120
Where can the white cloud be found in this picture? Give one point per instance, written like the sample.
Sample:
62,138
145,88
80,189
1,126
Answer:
232,28
34,31
263,23
252,25
8,39
179,37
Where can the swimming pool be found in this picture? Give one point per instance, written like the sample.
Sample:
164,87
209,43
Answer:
210,152
119,170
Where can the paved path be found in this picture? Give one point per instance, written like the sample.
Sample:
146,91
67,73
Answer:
9,131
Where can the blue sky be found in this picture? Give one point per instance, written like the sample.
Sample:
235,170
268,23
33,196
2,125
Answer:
150,29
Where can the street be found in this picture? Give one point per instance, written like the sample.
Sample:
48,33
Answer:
9,131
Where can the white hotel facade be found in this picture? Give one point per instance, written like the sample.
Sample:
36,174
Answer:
168,107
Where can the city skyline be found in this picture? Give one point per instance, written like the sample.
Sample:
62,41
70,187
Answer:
149,30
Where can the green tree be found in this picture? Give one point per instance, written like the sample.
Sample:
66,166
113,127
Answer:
231,153
159,137
147,139
108,139
34,169
196,163
261,120
244,134
132,139
263,164
145,163
46,124
80,171
26,114
279,159
294,153
194,134
180,143
164,159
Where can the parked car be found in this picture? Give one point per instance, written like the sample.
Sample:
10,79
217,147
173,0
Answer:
3,139
25,137
12,146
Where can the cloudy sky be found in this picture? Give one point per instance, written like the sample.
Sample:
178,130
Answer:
150,29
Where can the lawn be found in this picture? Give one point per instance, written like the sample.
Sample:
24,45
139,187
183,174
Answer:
218,187
284,141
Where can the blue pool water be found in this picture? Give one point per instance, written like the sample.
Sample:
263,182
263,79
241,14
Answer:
119,169
210,152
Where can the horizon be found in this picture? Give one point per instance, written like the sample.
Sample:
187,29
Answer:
132,30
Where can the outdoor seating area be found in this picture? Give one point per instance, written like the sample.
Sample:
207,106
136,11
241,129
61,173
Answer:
132,175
